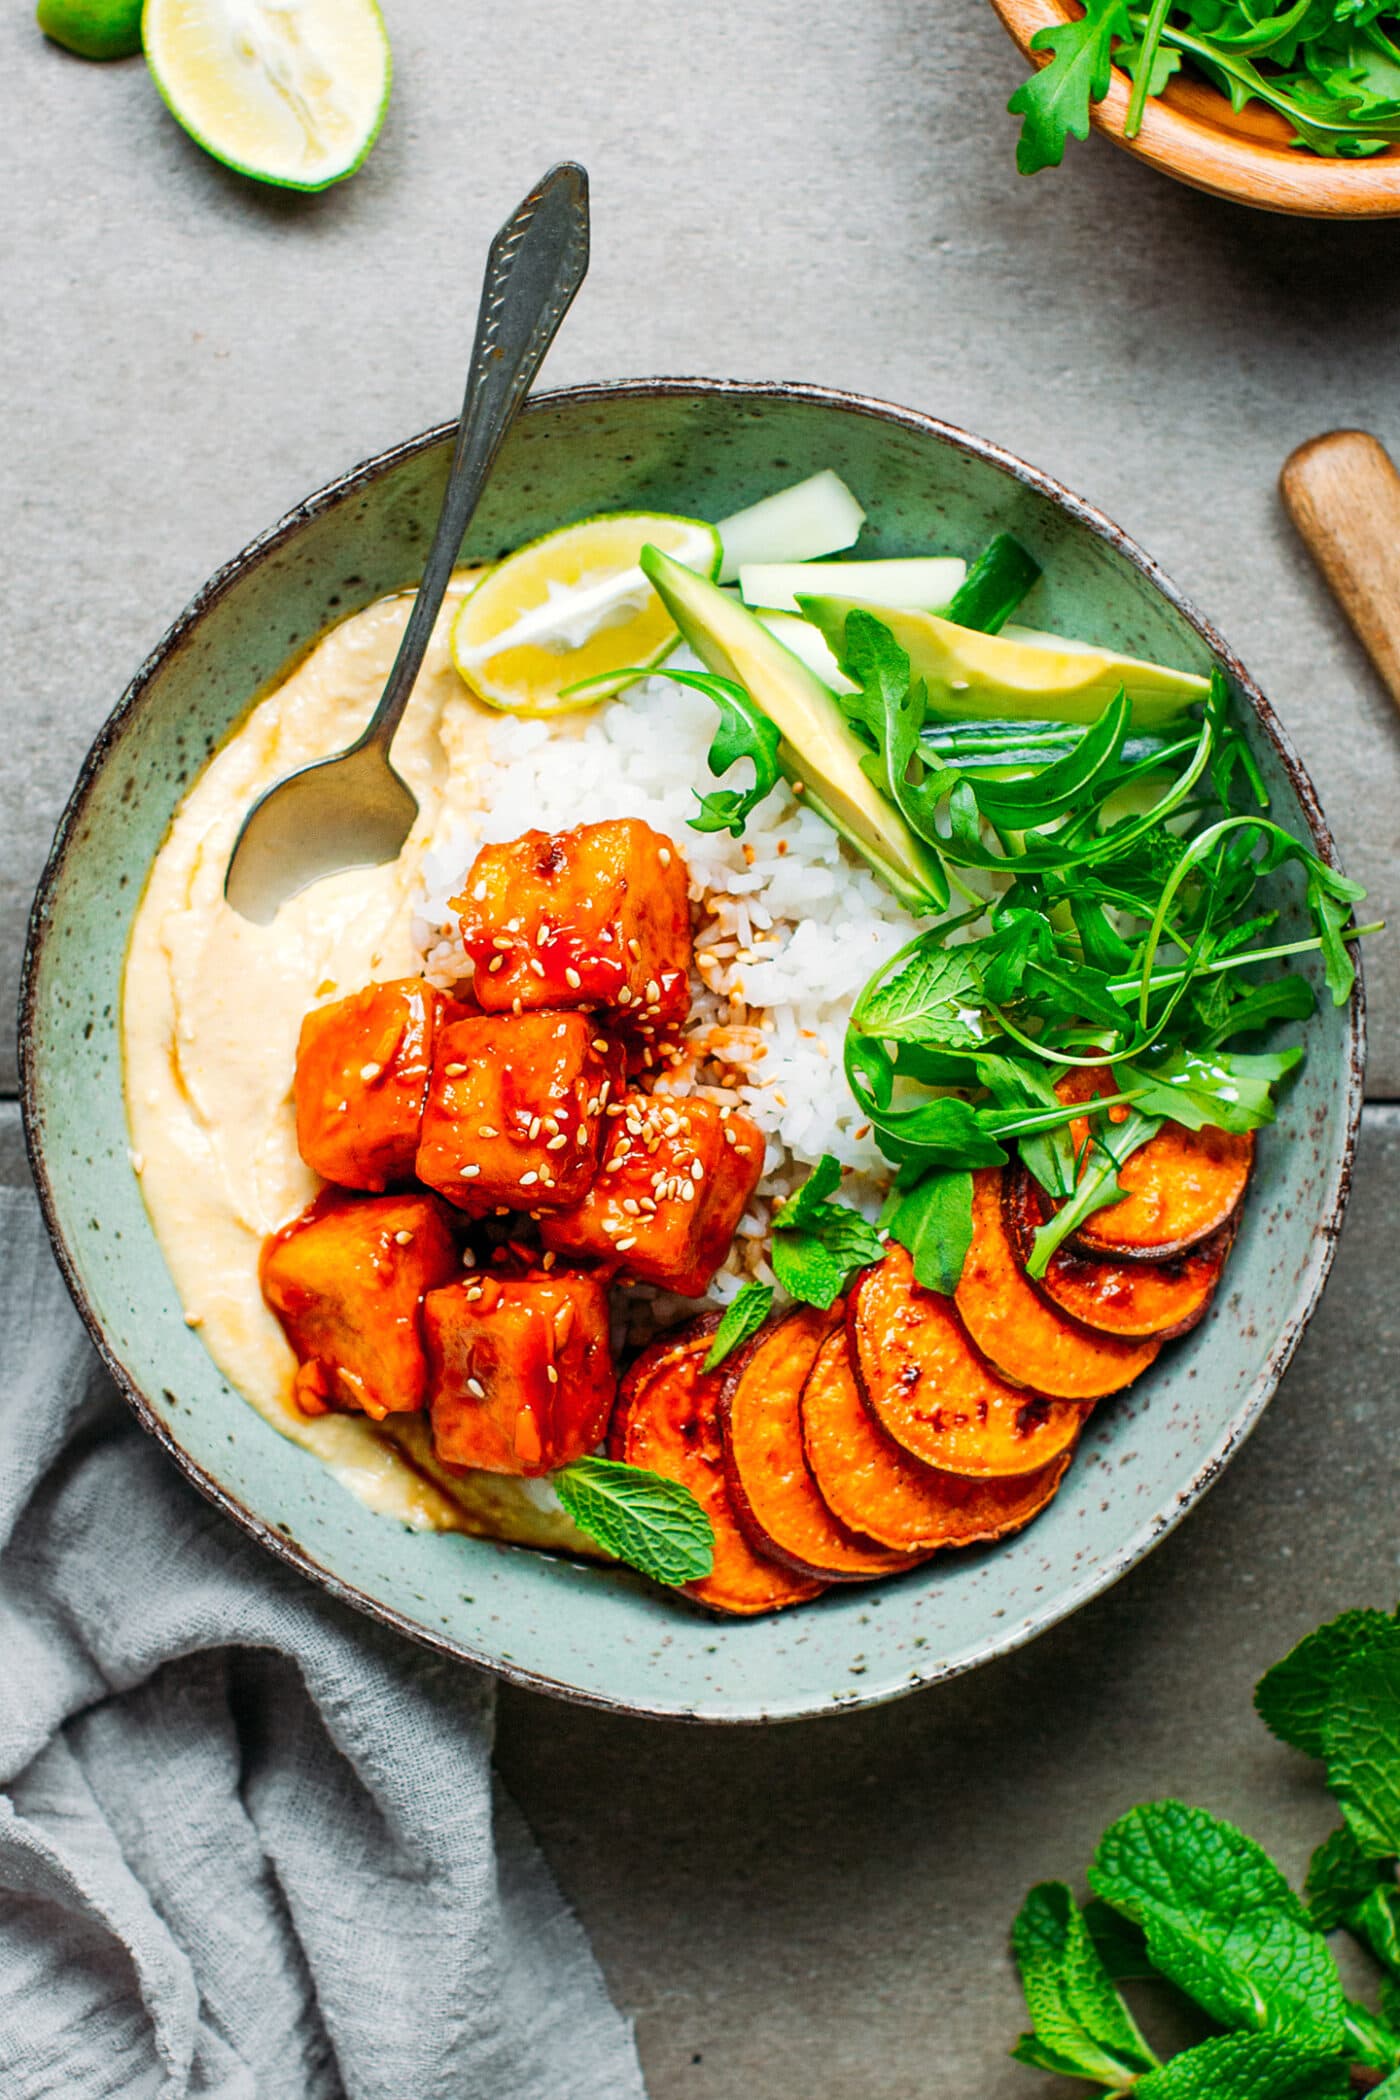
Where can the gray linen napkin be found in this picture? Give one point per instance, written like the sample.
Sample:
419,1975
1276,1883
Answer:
250,1845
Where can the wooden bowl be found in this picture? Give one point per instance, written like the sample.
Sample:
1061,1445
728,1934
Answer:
1192,133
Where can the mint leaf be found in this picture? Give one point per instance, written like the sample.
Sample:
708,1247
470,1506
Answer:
933,1219
1247,2067
1291,1699
934,997
742,1318
1340,1876
653,1523
1222,1923
1122,1948
816,1244
1376,1921
1361,1742
1082,2027
1054,103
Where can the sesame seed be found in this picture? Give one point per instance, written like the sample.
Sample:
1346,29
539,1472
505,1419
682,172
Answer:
479,893
686,1192
623,1245
475,1293
495,962
580,1137
534,1128
194,1319
601,1045
470,1173
664,856
799,787
697,1171
403,1239
487,1130
340,1111
629,1204
515,1005
537,966
500,941
557,1144
512,925
624,997
369,1072
527,1181
572,978
615,1165
541,934
564,1322
547,1262
454,1071
615,1108
476,1389
551,1374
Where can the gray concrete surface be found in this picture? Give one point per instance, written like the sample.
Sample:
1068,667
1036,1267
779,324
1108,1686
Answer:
813,191
795,188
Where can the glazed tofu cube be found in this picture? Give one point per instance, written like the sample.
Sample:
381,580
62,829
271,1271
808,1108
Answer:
347,1280
514,1115
522,1378
362,1072
674,1182
596,917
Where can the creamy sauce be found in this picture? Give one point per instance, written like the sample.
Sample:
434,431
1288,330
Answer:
211,1009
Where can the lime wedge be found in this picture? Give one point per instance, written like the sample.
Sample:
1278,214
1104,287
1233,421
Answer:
291,92
573,606
93,28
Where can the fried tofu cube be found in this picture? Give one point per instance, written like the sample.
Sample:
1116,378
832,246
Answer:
597,917
522,1379
514,1115
347,1280
675,1179
361,1074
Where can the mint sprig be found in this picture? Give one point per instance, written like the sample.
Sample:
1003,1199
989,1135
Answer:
1183,1896
816,1243
743,1317
654,1524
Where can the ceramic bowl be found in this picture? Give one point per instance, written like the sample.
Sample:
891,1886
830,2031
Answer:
1191,132
588,1632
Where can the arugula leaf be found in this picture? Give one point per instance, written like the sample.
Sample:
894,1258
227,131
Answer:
1082,2027
1292,1698
653,1523
1097,1187
933,1219
1225,1089
1248,2067
743,1316
1340,1877
816,1243
744,732
1054,103
1049,1154
1222,1923
1361,1742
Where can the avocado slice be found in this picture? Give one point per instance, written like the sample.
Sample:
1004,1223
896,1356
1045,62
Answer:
1029,675
818,754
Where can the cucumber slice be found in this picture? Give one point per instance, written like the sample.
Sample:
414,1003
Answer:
996,583
813,517
928,581
818,753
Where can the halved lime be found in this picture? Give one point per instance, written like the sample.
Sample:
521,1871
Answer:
573,606
291,92
93,28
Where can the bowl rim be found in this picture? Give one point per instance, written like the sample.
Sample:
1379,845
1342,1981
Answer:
1077,1592
1178,138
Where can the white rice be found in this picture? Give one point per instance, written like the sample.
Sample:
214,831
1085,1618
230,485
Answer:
788,926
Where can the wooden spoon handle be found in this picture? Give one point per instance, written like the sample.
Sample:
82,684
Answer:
1343,494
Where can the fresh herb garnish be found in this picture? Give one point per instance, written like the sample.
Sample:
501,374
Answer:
654,1524
1330,67
817,1243
1186,1897
743,1317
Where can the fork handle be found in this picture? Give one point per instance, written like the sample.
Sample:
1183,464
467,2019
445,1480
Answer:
536,264
1343,494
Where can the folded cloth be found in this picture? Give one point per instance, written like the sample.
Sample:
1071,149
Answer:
250,1846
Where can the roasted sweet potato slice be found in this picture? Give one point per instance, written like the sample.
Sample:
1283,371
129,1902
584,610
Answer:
667,1418
1024,1335
869,1480
775,1496
935,1393
1182,1185
1135,1300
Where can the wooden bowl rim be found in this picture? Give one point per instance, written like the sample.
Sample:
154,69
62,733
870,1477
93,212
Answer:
1180,136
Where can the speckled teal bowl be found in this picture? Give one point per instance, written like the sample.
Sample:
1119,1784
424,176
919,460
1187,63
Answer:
586,1632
